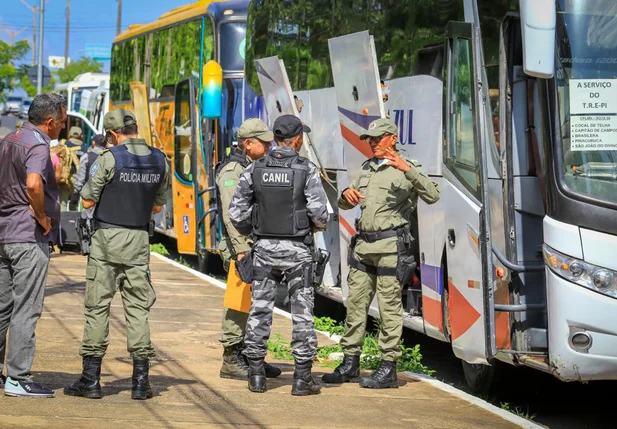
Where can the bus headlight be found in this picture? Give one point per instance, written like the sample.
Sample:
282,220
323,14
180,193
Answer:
580,272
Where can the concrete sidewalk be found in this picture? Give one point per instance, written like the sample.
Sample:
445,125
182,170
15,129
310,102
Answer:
185,324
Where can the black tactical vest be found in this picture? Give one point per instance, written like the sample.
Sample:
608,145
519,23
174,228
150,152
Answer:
128,199
280,205
235,155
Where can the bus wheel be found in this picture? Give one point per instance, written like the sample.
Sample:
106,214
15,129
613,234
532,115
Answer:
480,378
203,261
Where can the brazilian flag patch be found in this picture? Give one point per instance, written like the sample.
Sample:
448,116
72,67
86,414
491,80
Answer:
229,183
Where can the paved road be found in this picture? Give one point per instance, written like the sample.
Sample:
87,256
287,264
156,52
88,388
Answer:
7,124
188,391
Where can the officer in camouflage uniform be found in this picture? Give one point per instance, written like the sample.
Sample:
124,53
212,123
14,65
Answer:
254,139
381,256
280,199
85,163
128,183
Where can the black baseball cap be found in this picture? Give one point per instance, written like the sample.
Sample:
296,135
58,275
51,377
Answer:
288,126
99,140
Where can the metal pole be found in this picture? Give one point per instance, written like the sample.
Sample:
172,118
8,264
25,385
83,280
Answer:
39,75
66,41
34,36
119,22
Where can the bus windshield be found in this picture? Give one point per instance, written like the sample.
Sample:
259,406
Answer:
232,39
586,75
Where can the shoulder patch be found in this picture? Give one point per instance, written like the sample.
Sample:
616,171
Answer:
228,183
93,169
413,162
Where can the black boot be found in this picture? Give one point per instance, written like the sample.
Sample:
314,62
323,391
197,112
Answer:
257,375
383,377
234,364
88,385
271,370
303,381
141,384
348,370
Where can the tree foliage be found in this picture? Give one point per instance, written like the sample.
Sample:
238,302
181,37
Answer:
82,65
9,54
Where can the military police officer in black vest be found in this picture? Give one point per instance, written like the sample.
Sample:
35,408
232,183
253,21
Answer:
280,198
127,184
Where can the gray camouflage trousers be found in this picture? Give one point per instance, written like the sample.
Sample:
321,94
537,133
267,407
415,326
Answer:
280,258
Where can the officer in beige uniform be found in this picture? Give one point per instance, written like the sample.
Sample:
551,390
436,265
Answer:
381,258
254,139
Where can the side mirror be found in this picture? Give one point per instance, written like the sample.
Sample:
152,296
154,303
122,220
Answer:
538,19
212,93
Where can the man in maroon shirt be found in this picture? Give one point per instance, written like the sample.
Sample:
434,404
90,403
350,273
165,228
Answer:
29,209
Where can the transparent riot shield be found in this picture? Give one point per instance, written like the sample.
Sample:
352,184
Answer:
359,102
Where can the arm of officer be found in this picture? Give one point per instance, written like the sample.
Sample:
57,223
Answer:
80,178
343,204
101,173
423,185
227,183
241,206
161,193
316,199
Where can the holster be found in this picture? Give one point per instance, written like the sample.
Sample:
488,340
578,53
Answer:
245,268
320,260
406,264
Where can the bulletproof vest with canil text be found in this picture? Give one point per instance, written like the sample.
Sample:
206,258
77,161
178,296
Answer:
129,198
280,205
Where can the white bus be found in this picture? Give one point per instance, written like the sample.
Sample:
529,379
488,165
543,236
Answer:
82,92
518,128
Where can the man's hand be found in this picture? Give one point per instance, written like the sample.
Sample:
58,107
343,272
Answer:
45,224
240,256
352,196
396,161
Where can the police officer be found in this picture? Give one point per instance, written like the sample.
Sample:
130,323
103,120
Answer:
75,142
280,199
381,256
85,163
254,139
127,183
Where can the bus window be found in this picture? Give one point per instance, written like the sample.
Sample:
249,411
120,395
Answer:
182,146
461,144
232,39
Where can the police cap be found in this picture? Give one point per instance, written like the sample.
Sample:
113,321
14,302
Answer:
255,128
288,126
75,132
379,127
118,119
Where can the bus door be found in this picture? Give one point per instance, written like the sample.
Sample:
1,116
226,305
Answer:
463,194
183,188
359,102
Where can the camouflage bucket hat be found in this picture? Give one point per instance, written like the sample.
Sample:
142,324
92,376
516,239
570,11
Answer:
118,119
255,128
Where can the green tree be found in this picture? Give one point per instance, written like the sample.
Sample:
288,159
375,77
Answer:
82,65
9,54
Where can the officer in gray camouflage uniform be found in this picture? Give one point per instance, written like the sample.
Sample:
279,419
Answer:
280,198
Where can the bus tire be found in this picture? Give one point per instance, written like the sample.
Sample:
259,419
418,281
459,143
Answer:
480,378
203,262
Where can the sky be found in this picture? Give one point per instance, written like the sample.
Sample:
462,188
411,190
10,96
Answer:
92,22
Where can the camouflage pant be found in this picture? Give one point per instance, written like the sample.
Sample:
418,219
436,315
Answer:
281,258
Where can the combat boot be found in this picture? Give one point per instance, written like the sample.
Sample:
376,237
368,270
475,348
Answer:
88,385
234,364
383,377
347,371
303,381
257,375
141,384
271,370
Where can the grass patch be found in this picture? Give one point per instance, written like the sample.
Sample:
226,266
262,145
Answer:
518,411
183,261
411,359
159,248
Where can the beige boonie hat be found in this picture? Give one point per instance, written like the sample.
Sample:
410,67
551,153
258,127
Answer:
379,127
255,128
75,132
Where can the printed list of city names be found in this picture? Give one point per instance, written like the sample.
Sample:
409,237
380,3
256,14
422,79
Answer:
593,114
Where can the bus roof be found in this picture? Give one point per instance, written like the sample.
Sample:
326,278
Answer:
182,13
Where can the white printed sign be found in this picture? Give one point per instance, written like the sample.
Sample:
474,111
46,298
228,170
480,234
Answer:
593,110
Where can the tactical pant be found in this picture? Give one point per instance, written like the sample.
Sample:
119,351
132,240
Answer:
233,327
103,279
23,275
281,258
362,289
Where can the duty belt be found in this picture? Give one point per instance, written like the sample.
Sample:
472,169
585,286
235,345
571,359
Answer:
371,237
370,269
104,225
307,239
